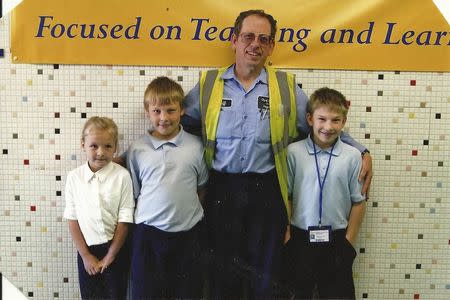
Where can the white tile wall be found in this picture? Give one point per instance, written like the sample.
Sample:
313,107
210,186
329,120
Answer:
403,117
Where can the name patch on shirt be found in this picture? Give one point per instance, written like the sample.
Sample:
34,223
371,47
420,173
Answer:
226,103
263,106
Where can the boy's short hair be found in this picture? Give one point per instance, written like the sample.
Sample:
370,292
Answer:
163,91
258,12
101,123
330,98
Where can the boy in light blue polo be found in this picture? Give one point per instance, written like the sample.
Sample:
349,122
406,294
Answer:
327,205
168,173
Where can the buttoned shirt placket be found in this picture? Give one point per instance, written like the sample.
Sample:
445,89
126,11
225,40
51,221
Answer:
95,184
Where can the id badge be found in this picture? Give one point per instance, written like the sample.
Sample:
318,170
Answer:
320,234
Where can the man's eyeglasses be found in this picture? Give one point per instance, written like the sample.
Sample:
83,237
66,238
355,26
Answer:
249,37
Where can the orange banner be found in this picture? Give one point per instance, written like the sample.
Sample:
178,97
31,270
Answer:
321,34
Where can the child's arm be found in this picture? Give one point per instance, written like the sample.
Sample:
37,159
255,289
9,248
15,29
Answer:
120,235
355,220
202,178
91,263
124,218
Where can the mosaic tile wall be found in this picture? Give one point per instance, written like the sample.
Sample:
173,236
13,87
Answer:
403,117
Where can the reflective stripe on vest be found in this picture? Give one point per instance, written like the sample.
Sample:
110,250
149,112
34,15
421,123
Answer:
283,117
211,92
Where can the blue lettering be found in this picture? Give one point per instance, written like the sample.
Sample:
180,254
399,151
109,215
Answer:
158,29
406,36
283,32
427,35
226,33
91,32
102,30
387,40
369,34
116,29
198,28
350,38
169,32
210,31
287,35
424,38
439,35
134,27
42,25
54,29
324,39
69,31
301,35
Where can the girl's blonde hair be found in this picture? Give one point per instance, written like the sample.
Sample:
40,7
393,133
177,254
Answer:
101,123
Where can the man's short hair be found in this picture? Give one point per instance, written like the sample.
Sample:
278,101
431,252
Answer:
258,12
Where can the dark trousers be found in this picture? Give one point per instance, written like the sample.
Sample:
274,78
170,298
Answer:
112,283
325,269
166,264
246,221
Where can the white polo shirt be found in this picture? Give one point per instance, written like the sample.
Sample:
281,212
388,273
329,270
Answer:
98,201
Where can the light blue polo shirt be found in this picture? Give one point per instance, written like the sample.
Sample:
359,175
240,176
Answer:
166,176
243,133
340,190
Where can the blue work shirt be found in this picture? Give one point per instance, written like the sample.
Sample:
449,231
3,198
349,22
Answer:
243,133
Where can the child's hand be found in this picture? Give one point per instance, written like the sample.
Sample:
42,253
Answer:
351,239
106,261
91,264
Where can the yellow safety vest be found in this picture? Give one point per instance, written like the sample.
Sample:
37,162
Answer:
283,117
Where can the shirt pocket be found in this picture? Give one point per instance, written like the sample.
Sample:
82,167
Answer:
263,127
227,122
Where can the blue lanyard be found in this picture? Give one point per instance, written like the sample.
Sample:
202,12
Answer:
321,184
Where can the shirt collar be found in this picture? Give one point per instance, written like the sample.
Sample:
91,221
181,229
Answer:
336,150
175,141
229,74
101,174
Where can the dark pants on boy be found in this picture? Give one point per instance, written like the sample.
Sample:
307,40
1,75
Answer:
246,221
112,283
326,267
166,264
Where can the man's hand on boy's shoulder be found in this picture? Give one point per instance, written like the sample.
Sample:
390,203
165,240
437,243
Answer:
366,174
120,160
